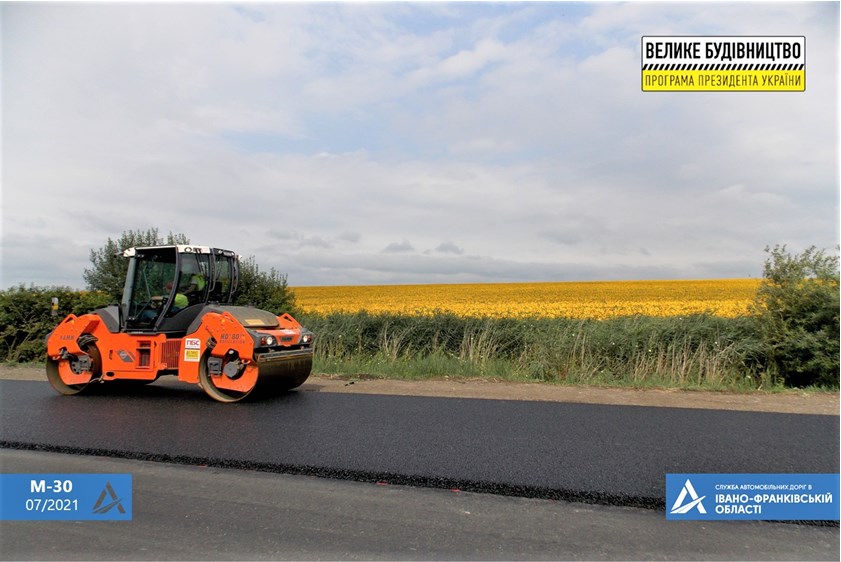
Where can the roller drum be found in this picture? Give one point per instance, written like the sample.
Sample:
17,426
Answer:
281,371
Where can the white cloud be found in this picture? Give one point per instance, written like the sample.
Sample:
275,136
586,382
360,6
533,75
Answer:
504,141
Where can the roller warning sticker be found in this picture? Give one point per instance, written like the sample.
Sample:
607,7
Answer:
192,350
723,64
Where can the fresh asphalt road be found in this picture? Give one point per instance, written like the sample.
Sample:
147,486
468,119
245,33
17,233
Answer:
607,454
184,512
617,455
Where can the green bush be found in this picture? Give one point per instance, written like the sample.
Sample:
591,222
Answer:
796,312
108,269
26,317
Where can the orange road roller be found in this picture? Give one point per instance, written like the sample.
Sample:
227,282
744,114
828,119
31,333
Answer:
175,318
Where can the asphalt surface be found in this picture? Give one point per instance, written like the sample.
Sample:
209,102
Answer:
182,512
616,455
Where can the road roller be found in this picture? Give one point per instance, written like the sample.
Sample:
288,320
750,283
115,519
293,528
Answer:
176,318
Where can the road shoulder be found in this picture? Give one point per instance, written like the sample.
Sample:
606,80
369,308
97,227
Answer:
792,402
789,402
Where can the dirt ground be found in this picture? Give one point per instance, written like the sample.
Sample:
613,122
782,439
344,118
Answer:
794,402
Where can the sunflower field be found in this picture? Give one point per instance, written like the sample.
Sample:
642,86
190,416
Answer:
726,298
663,333
685,334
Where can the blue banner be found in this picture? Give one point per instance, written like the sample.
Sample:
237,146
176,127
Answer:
791,497
63,497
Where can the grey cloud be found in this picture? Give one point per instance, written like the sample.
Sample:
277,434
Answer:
315,241
398,247
283,235
46,259
562,236
449,248
352,237
301,239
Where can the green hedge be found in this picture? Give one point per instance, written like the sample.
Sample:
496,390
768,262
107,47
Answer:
26,317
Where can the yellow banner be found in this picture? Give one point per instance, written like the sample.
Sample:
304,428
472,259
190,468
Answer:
724,80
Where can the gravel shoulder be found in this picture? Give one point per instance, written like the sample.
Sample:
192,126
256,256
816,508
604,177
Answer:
791,402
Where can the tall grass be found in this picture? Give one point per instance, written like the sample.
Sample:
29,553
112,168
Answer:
700,351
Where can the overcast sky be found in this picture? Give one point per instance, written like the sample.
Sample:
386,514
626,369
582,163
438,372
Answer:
409,143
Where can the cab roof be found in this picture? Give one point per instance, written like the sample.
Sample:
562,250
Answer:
180,248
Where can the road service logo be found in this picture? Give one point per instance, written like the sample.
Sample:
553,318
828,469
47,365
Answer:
688,490
102,507
721,64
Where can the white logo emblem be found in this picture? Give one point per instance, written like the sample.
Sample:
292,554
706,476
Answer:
696,501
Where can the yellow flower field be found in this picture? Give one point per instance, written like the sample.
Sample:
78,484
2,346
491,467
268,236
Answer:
602,299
